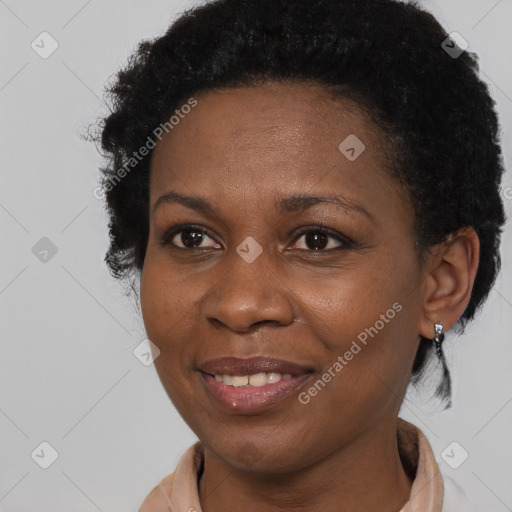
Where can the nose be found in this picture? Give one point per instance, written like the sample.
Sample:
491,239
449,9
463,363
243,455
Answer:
248,295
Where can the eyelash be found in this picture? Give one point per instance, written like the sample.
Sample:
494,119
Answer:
346,243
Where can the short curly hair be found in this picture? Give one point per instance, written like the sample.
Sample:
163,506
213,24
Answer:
387,55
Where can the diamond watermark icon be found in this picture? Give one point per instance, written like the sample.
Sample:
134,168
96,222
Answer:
44,455
44,45
249,249
507,193
454,455
146,352
351,147
44,250
454,45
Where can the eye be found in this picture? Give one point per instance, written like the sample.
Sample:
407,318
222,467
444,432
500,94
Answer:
315,238
187,237
320,238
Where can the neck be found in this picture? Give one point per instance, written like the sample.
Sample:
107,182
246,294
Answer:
365,475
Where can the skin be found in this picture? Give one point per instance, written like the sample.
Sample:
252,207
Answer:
243,149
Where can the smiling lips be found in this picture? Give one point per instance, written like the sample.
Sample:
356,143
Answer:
251,385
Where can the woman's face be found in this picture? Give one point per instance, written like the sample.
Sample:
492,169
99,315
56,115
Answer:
261,168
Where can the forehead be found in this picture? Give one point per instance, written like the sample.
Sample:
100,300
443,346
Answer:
274,136
271,112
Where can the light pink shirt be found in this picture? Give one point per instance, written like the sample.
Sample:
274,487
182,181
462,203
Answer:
178,492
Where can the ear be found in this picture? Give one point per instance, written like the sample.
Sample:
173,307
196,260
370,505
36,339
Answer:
450,268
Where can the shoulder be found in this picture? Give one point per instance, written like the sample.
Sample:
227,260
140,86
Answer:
162,498
158,500
455,500
432,489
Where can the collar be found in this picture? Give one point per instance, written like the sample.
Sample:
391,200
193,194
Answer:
178,492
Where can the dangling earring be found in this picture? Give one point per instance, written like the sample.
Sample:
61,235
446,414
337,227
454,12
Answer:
438,340
444,389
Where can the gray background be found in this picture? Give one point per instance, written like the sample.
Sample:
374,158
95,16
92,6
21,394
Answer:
68,375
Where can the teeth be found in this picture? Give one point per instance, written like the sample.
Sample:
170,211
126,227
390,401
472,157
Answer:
239,381
258,379
273,377
255,380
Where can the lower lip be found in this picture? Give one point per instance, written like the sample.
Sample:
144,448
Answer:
252,399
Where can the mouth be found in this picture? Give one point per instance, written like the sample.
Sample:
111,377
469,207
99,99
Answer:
251,385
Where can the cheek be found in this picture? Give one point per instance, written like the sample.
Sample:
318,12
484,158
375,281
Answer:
344,304
155,301
164,299
163,315
366,321
165,312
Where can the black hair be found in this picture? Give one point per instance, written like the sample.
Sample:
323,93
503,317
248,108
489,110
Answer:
390,56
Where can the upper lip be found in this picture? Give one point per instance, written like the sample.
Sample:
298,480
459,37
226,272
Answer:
252,365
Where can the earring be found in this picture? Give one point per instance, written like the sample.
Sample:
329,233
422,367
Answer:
444,389
438,339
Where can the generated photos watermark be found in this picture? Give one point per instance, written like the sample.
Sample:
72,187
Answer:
143,151
355,348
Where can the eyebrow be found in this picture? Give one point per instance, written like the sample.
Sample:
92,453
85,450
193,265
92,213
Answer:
295,203
288,204
194,203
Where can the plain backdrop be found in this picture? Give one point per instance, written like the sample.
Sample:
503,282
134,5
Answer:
68,374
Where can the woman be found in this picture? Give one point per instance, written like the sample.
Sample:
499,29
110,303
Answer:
309,208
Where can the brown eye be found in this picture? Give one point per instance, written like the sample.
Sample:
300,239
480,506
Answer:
188,237
191,237
320,239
